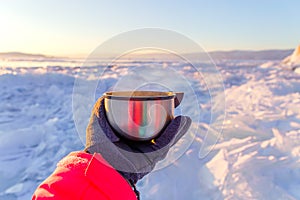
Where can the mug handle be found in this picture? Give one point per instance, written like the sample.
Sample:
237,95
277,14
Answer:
178,98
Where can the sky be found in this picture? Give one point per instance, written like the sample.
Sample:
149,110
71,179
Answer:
77,27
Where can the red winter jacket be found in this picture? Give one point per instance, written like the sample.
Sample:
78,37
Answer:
84,176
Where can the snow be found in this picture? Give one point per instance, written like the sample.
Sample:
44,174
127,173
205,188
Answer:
256,157
293,61
294,58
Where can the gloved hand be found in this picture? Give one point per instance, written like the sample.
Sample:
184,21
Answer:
131,158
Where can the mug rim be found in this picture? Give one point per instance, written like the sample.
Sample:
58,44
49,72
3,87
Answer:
139,95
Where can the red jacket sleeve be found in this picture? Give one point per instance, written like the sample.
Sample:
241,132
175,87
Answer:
83,176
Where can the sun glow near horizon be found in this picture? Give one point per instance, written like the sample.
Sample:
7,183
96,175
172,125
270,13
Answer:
19,34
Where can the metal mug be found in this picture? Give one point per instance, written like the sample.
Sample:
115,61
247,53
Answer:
140,115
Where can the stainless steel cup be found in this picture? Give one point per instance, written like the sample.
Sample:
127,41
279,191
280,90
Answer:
140,115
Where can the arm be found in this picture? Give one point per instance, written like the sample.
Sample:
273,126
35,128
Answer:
84,176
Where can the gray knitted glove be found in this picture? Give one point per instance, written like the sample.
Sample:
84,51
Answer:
131,158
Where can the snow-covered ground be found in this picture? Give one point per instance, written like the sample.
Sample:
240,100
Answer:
257,155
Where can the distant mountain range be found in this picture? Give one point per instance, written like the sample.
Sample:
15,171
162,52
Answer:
22,55
230,55
251,55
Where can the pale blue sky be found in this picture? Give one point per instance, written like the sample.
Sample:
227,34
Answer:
61,27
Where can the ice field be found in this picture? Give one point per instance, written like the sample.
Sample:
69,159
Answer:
257,155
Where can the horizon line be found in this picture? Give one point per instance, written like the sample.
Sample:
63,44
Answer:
85,55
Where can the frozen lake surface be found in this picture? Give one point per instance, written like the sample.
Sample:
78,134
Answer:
257,155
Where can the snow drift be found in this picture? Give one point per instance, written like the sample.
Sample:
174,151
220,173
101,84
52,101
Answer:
293,61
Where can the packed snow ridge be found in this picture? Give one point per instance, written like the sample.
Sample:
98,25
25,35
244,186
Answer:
293,61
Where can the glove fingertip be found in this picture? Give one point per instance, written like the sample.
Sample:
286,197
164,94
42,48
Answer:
98,106
176,129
